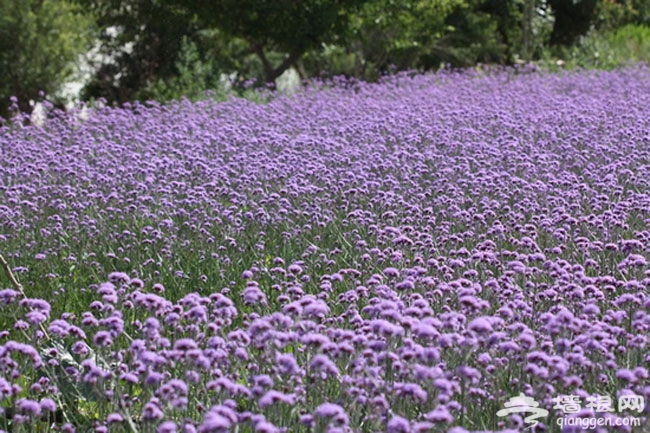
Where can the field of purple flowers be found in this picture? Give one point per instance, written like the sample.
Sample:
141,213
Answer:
402,257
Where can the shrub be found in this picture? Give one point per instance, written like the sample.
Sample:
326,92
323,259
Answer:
39,43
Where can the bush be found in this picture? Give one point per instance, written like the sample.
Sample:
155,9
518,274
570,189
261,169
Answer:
193,79
39,43
201,73
604,50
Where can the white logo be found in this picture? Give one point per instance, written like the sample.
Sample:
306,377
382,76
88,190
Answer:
600,403
522,403
632,402
572,404
567,403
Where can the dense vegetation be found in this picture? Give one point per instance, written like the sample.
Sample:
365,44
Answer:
162,50
403,256
388,249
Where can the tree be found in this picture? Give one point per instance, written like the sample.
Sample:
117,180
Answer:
501,31
423,34
612,14
287,26
401,34
140,43
573,18
40,41
142,39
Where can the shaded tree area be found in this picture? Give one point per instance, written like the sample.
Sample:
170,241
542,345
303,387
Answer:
572,20
39,42
142,39
163,49
286,26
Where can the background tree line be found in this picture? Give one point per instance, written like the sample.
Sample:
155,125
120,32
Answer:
165,49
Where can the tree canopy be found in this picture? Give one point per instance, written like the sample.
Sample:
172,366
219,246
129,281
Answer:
288,26
167,48
39,44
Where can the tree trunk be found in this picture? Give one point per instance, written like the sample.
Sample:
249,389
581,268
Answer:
271,73
572,20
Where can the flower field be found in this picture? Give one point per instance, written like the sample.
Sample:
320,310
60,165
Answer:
396,257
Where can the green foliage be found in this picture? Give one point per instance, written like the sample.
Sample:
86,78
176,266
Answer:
476,36
630,43
415,34
288,24
143,40
386,35
285,26
194,77
573,19
257,38
484,32
166,49
608,50
331,60
212,67
399,33
613,14
40,41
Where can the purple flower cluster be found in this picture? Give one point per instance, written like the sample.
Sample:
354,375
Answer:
403,257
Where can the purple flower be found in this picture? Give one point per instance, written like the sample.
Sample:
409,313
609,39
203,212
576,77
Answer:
36,317
641,373
397,424
188,428
102,339
423,427
272,397
422,330
591,309
214,423
119,277
317,309
391,272
626,375
59,327
252,295
114,418
167,427
517,266
264,426
307,420
287,364
469,373
325,365
427,243
332,411
185,344
28,407
405,285
48,405
480,325
7,296
152,410
385,328
440,415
